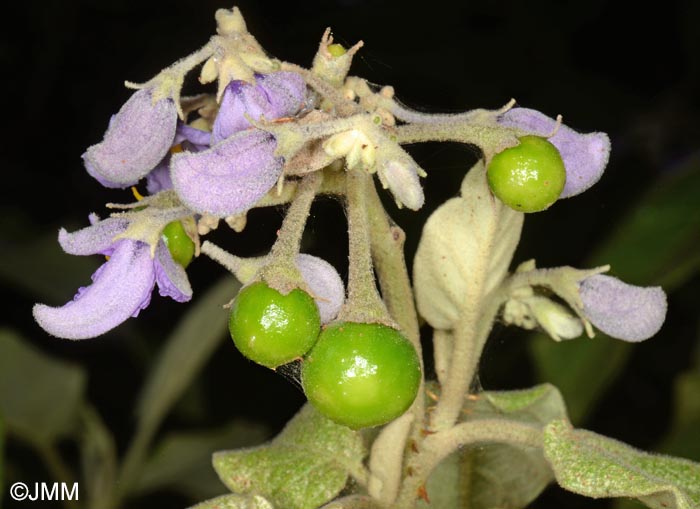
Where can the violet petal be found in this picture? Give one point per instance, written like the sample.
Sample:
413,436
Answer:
585,155
275,95
139,136
325,284
121,287
628,312
94,239
171,276
230,177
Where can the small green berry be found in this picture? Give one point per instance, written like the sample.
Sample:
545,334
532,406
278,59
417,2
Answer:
336,50
273,329
361,374
179,244
528,177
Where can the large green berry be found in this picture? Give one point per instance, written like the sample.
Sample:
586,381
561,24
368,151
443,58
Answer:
361,374
528,177
273,329
179,244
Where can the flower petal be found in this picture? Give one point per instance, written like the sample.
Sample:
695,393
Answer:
138,137
286,93
230,177
171,276
631,313
121,287
159,178
401,177
325,284
585,155
197,137
275,95
94,239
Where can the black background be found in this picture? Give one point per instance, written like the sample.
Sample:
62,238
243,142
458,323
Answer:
631,73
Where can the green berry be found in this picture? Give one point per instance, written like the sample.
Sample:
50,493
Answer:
179,244
273,329
361,374
528,177
336,50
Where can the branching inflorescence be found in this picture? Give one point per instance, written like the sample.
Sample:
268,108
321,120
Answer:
275,133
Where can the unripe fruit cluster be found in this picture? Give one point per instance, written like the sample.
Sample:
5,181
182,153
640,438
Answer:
358,374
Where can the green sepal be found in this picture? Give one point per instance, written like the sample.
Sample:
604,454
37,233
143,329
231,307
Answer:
305,466
596,466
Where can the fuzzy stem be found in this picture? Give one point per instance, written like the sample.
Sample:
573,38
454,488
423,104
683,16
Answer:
440,445
281,273
363,303
442,351
483,133
387,240
469,337
418,117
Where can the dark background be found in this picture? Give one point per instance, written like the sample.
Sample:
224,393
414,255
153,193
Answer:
633,74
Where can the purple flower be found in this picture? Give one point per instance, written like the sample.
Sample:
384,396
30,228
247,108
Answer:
120,288
188,139
585,155
138,138
241,166
631,313
275,95
230,177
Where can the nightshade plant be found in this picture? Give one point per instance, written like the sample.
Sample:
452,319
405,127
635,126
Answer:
275,133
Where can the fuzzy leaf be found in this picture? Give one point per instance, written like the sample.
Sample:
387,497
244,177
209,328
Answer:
305,466
596,466
465,250
497,475
193,341
40,396
235,502
182,461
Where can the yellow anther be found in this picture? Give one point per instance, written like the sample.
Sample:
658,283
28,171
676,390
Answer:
176,149
136,193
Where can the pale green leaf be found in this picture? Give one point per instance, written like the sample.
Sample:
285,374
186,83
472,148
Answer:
182,461
498,475
305,466
40,397
235,502
596,466
465,250
193,341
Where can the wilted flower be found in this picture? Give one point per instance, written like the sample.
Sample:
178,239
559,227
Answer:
325,284
240,167
120,288
585,155
623,311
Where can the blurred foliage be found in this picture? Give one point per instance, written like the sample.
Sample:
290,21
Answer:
657,243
